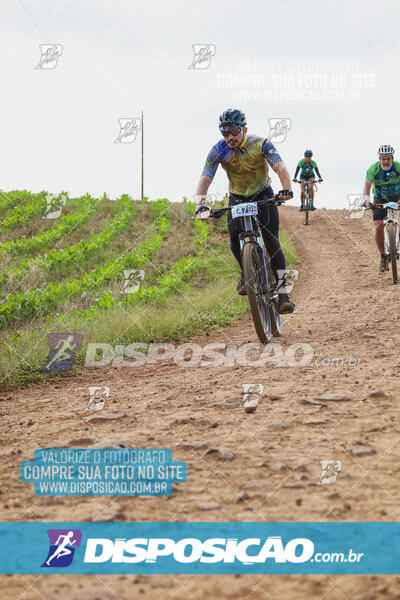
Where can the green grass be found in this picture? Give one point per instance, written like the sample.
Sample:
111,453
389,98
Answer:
288,248
196,301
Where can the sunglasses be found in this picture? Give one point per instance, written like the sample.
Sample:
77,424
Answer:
233,132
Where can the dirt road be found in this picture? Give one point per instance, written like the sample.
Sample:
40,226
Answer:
350,317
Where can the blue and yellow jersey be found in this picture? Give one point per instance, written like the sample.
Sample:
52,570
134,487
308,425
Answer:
246,166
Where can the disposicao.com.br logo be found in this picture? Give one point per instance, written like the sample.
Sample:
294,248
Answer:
167,551
191,550
212,550
183,551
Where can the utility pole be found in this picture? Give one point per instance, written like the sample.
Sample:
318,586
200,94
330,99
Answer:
142,159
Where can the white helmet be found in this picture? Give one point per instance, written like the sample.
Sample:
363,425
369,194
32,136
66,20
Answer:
385,149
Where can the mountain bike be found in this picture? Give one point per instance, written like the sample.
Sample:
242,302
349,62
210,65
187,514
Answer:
392,243
308,195
261,285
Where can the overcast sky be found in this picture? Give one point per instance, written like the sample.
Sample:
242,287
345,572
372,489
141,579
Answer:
332,65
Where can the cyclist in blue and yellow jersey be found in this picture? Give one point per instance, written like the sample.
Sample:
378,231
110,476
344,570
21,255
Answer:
384,176
246,160
306,166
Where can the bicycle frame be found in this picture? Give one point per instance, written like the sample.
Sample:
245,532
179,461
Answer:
255,236
390,218
390,225
310,187
251,232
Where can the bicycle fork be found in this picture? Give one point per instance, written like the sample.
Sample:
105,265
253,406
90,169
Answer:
249,232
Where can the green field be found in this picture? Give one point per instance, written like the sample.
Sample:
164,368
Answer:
66,275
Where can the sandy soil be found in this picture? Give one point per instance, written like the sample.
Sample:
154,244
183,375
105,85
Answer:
343,309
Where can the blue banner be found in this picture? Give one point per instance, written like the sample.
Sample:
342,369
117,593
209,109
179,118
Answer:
208,548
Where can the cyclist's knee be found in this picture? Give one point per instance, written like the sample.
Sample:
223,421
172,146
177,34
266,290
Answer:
273,247
234,239
233,230
234,244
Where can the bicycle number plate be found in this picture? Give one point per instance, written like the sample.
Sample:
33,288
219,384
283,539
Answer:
248,209
393,205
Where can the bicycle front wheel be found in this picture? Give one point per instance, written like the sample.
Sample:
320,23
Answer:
255,287
392,231
273,306
306,203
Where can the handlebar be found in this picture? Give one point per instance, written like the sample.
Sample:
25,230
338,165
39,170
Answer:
218,212
308,181
371,205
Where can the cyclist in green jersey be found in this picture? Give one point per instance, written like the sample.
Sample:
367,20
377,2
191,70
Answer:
384,176
306,166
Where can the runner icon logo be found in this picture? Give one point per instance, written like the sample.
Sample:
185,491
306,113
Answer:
286,279
62,351
50,53
203,54
278,129
54,206
133,278
128,129
61,551
356,206
98,395
329,471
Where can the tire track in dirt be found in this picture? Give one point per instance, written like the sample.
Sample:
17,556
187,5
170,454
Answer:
343,309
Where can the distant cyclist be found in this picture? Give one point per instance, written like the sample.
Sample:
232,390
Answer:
246,160
306,166
384,175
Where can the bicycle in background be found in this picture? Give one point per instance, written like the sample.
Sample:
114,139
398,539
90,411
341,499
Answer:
308,195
